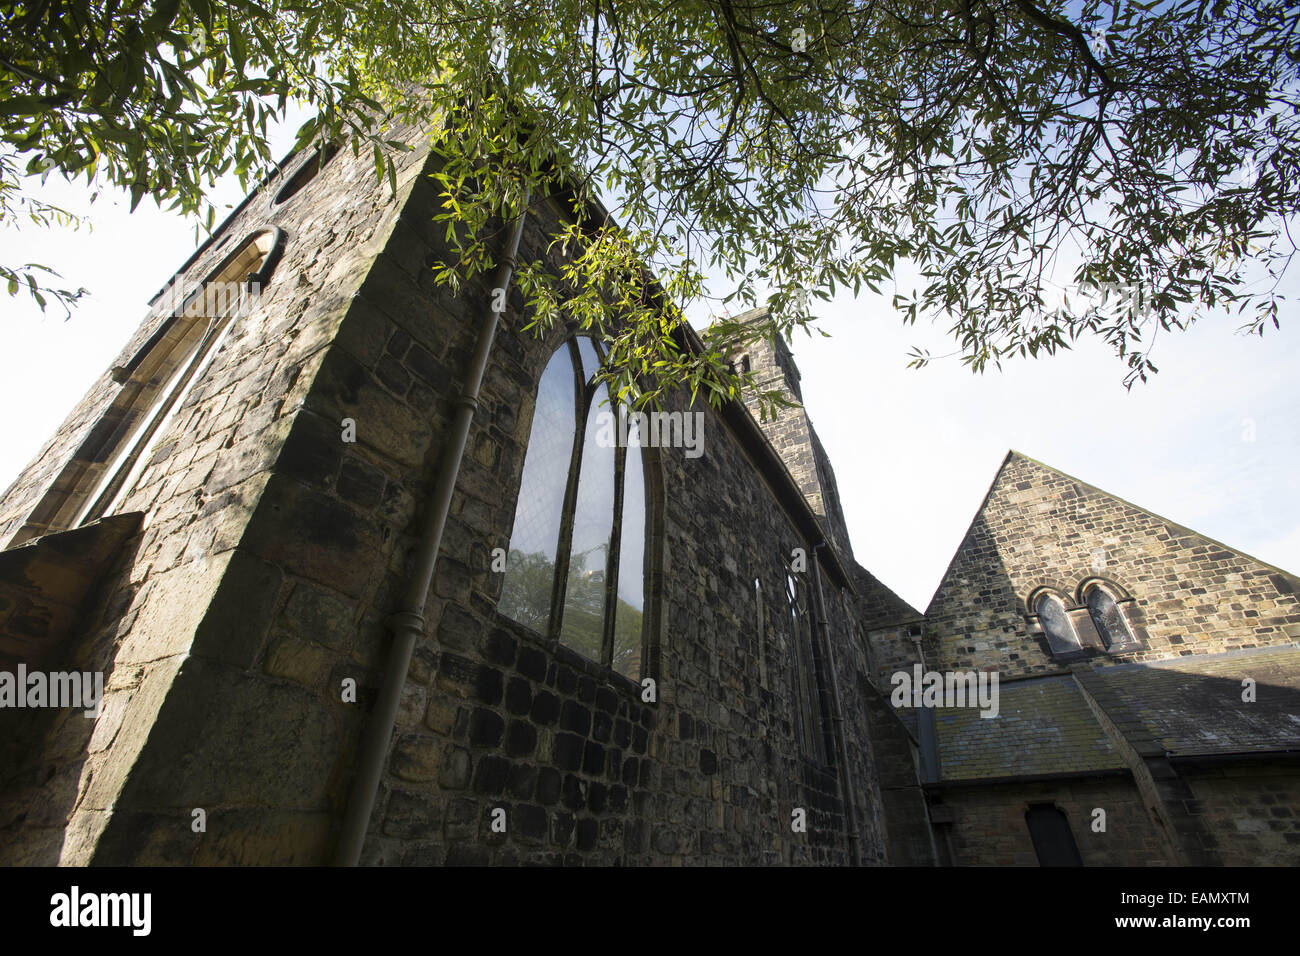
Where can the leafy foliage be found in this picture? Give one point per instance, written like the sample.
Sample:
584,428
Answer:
1144,154
31,276
526,593
162,98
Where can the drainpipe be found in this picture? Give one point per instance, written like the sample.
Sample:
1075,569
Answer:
928,741
408,624
837,717
926,731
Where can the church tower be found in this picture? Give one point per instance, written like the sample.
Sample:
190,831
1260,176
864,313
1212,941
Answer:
791,431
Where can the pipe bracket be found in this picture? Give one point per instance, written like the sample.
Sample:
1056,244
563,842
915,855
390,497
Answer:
406,621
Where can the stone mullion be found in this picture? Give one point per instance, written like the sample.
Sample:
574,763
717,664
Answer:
564,547
612,561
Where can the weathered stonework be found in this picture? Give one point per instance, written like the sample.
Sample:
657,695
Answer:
273,549
180,622
988,823
242,629
1039,528
1184,737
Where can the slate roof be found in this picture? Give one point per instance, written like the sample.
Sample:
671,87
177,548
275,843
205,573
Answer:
1044,726
1180,707
1189,706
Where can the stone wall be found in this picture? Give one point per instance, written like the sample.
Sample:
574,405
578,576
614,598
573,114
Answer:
909,840
1253,810
1186,599
989,828
790,430
273,549
495,717
183,615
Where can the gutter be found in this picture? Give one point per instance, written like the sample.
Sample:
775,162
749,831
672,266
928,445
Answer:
408,624
1239,756
965,783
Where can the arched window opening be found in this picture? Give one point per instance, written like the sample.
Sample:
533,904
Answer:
115,458
808,712
1061,636
629,558
1107,617
208,316
1050,831
576,567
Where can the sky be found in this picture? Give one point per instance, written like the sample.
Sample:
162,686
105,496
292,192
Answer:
1211,442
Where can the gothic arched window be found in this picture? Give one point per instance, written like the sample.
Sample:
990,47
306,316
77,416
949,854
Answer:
1107,617
1061,636
575,570
809,710
116,456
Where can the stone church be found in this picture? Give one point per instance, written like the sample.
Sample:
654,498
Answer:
365,581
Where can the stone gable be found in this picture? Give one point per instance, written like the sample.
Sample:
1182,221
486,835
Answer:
1041,528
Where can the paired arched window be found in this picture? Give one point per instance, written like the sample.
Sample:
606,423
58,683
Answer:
1095,621
575,571
116,455
1107,617
1061,635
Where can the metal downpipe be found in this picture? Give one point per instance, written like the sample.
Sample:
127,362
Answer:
408,623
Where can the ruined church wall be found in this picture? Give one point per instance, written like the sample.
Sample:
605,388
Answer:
586,772
184,607
275,548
